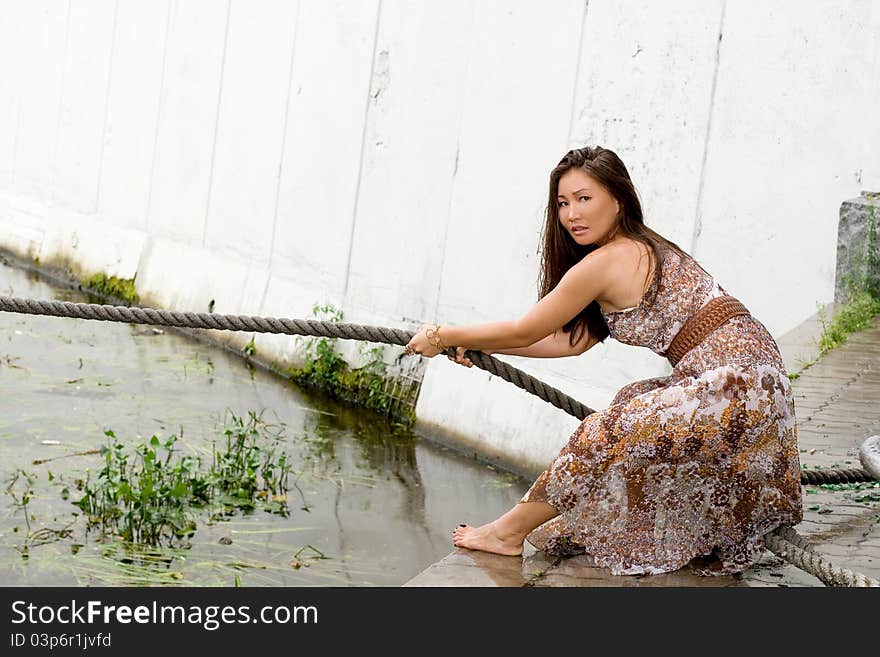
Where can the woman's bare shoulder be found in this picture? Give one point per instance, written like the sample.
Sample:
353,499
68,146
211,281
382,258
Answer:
622,252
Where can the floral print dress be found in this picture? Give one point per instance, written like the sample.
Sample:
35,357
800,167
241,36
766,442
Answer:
694,466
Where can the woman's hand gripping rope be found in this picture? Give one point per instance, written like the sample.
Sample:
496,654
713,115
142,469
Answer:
427,342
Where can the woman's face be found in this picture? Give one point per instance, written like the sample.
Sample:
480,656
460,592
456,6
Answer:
587,211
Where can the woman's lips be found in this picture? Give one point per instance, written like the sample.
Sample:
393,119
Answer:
579,230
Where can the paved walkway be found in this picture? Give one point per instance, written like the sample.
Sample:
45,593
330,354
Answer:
838,406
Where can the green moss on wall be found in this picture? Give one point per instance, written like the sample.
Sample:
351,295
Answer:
366,386
111,286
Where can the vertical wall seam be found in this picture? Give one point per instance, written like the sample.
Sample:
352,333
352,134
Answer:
698,218
872,85
53,162
18,87
103,135
296,19
357,190
577,74
461,106
159,104
216,124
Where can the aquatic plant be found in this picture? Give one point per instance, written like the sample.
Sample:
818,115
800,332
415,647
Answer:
151,495
249,469
20,489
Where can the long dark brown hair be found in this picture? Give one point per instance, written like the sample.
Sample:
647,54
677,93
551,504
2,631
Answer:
560,252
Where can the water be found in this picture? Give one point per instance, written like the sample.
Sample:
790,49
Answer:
378,502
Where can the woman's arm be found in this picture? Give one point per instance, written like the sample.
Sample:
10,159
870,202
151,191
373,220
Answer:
555,345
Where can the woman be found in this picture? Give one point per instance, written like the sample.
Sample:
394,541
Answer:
697,465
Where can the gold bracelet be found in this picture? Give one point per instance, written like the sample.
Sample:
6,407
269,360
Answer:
434,338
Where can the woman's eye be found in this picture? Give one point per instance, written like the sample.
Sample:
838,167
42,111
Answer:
562,204
584,198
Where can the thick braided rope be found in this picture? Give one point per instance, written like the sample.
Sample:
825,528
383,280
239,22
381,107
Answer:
788,544
790,535
135,315
835,476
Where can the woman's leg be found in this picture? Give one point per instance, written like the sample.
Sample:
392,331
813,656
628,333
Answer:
506,534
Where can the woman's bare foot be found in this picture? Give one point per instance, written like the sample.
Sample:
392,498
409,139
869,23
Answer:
487,538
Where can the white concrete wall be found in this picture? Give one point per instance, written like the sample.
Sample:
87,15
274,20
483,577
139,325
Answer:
391,158
870,175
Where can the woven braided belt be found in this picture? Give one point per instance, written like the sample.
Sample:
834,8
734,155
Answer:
707,319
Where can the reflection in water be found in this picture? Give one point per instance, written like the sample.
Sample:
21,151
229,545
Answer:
373,498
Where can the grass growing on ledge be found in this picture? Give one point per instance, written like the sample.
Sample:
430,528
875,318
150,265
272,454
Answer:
855,316
863,297
111,286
